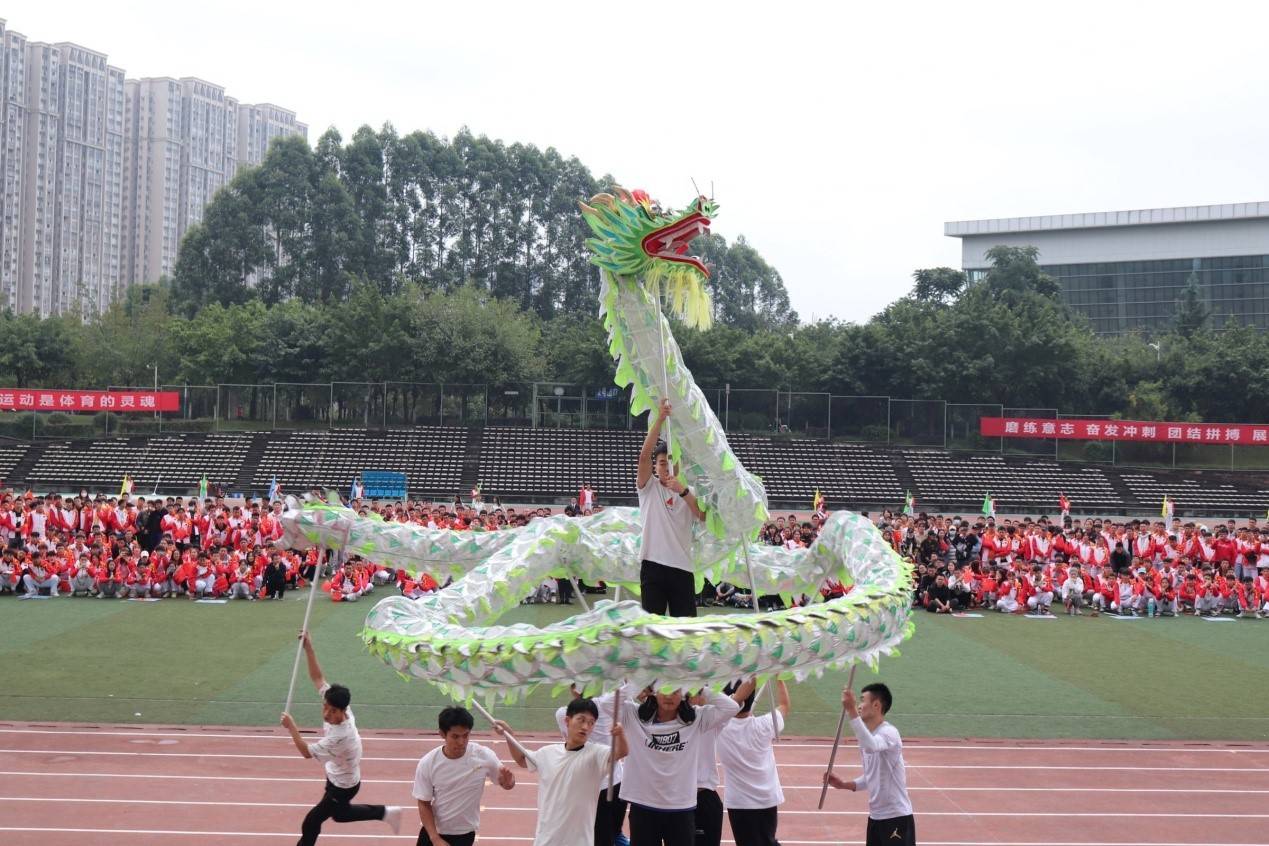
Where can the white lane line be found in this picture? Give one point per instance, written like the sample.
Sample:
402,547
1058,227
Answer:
1164,790
911,747
836,842
783,812
1082,768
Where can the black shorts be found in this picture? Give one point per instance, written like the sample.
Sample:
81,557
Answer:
452,839
896,831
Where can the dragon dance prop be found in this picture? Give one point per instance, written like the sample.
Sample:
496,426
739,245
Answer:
451,639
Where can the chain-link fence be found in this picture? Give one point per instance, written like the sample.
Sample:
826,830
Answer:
860,418
777,413
964,431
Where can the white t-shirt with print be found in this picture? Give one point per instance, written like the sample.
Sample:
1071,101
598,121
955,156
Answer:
661,766
749,766
667,526
454,786
568,784
339,749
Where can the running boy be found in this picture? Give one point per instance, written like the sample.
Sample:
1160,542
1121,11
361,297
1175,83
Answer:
339,750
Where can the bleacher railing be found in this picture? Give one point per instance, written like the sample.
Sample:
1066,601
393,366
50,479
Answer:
880,420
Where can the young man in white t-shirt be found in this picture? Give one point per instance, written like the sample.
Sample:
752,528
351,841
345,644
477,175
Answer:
450,781
339,750
569,774
752,792
610,816
667,508
890,821
662,768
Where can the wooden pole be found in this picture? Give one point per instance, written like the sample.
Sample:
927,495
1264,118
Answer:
616,712
510,738
299,651
841,723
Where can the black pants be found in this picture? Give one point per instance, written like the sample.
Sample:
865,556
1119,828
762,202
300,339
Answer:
896,831
565,589
609,816
709,817
452,839
662,588
753,827
650,827
335,806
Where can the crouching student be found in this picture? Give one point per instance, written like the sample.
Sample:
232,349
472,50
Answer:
82,582
449,782
1073,591
661,770
752,793
610,817
274,577
569,774
1041,599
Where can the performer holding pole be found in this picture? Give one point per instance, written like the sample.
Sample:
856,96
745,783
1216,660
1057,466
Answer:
890,820
667,582
339,750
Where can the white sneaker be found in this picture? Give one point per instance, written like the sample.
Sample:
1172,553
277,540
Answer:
392,816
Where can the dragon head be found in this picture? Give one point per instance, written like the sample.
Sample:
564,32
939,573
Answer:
635,237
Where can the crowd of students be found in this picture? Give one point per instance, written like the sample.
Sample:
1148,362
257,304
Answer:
1132,568
128,547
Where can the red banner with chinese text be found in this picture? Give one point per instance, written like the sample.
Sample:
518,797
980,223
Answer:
1254,434
50,399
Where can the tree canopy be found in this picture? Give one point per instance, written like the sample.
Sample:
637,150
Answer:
420,259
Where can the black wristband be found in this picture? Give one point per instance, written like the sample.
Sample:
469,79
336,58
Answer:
686,491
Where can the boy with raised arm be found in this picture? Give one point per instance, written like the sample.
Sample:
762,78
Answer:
890,821
667,508
569,775
339,750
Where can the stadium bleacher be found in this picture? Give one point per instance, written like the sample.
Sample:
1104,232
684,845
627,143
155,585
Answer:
1211,497
431,457
171,460
943,478
549,465
10,455
536,463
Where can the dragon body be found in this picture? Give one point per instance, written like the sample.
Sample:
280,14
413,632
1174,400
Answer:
450,638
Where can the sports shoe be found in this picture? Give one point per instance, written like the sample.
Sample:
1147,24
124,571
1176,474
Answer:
392,816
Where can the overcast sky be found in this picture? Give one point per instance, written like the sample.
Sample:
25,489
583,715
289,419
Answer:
839,138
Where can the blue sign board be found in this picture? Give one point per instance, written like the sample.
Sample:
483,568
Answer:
381,484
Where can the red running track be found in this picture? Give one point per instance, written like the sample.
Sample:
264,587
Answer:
108,785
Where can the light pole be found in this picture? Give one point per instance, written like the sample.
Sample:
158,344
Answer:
1158,351
156,389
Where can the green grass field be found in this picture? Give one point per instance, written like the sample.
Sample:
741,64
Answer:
175,661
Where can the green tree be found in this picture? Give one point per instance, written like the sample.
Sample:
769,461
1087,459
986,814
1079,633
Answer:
1192,312
37,353
1015,271
939,285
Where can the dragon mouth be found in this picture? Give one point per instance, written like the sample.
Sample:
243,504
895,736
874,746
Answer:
670,243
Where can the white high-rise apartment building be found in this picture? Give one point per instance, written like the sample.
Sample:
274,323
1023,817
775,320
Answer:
258,125
182,147
12,162
100,176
